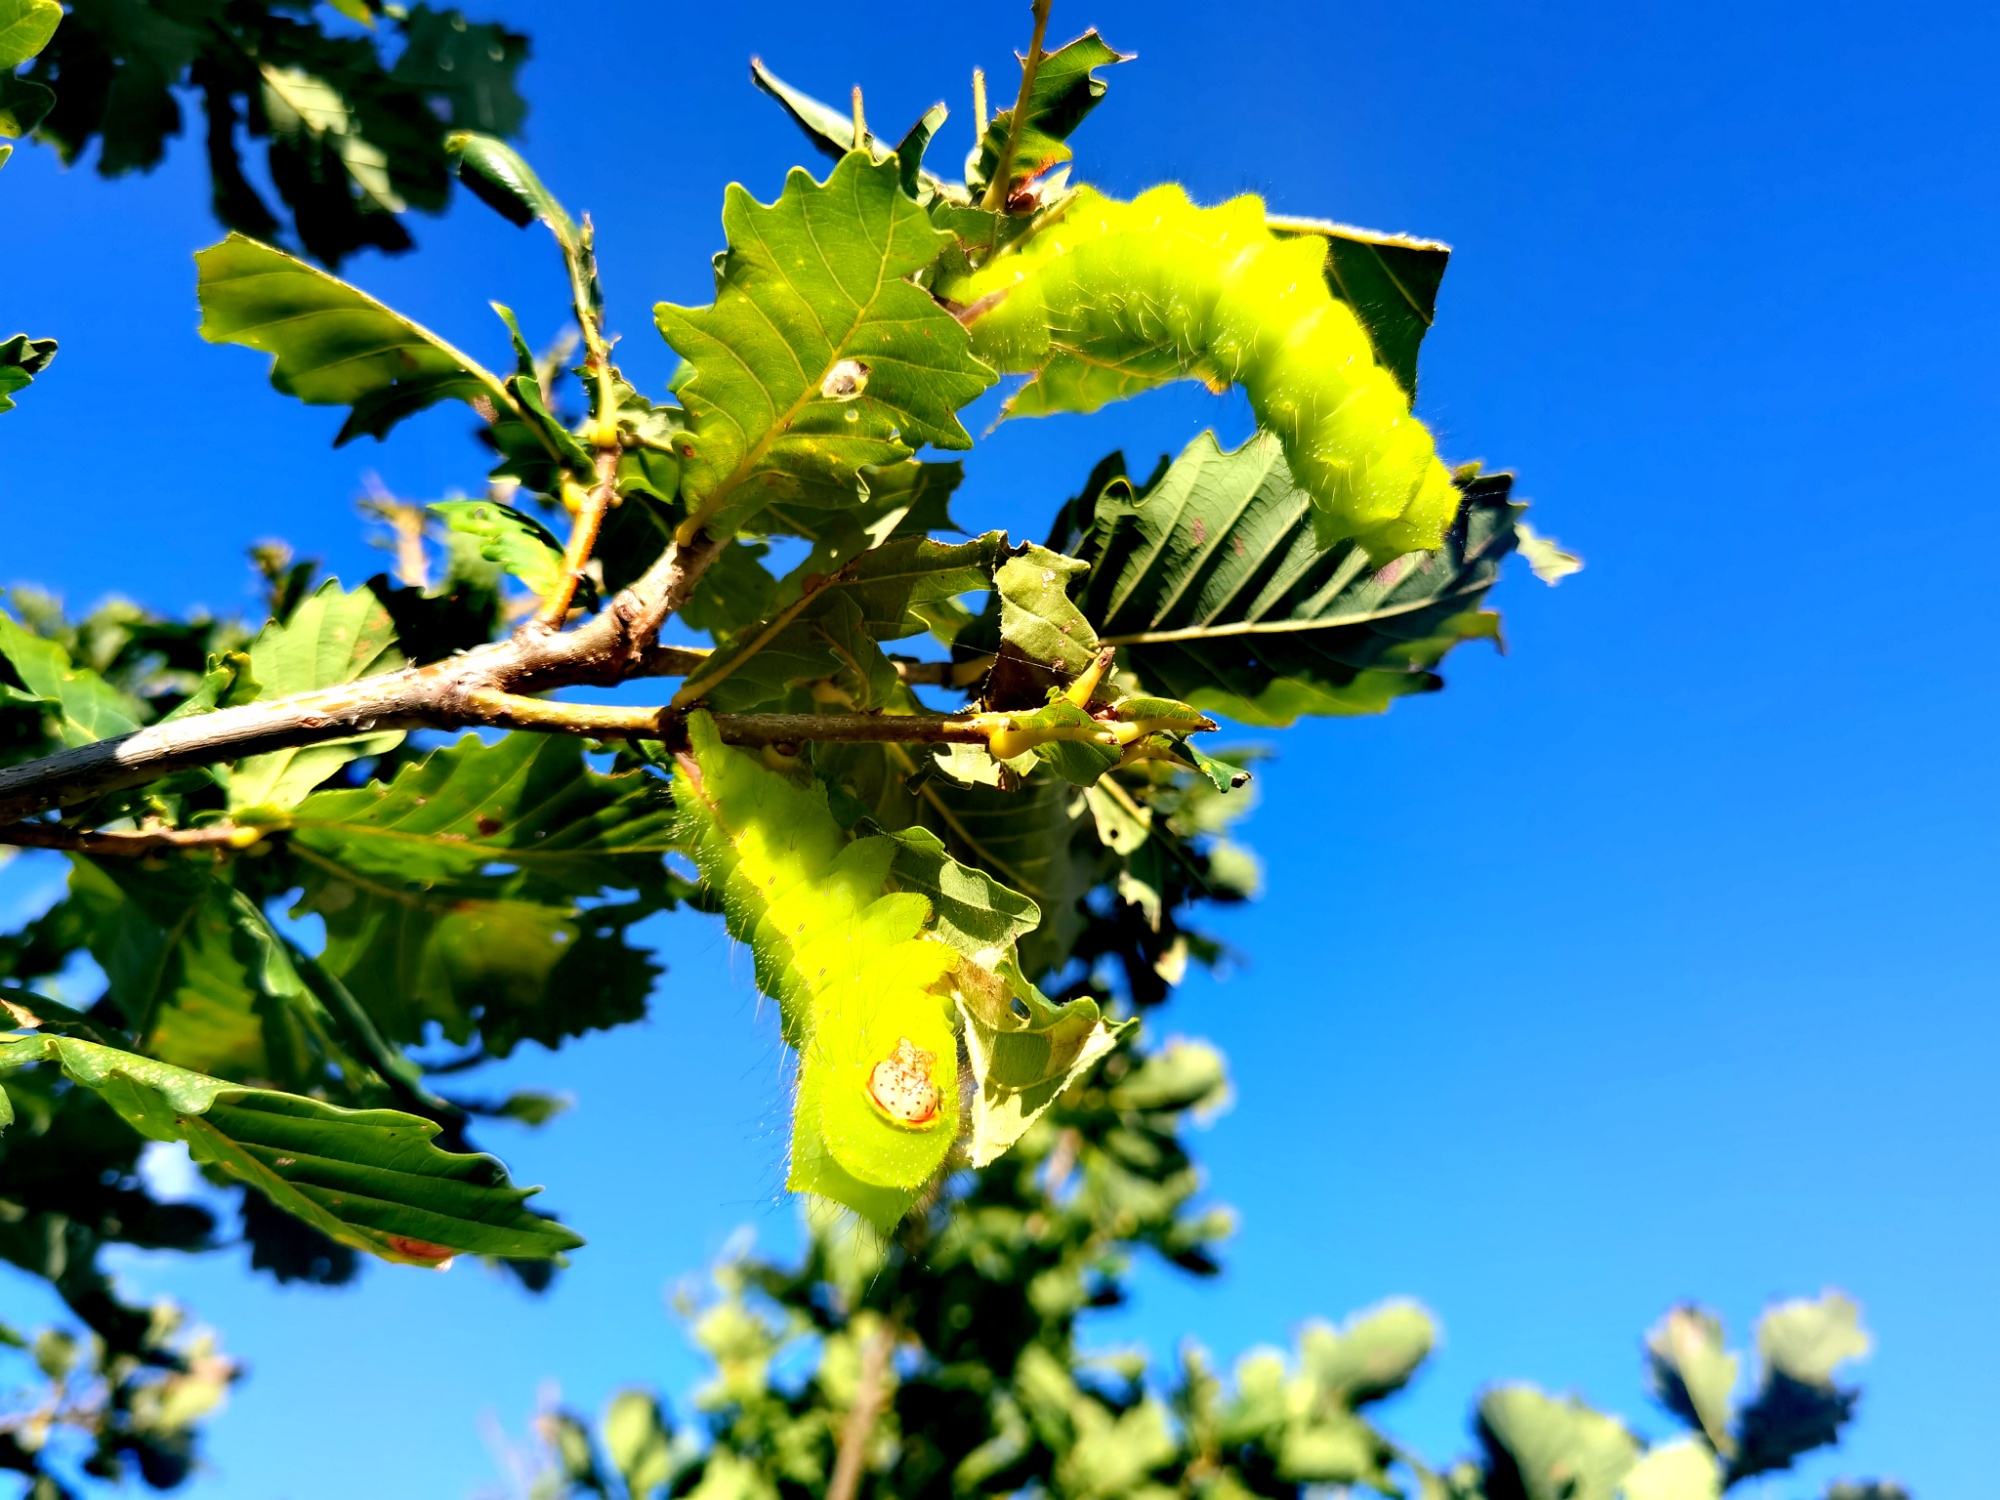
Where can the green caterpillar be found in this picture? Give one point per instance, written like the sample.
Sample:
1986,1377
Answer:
862,990
1112,298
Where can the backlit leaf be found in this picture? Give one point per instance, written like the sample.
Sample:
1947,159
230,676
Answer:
21,360
466,891
1066,88
331,639
200,978
817,358
521,545
1210,582
25,28
84,705
1542,1448
331,343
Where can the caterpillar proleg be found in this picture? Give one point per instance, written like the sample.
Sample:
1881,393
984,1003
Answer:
1112,298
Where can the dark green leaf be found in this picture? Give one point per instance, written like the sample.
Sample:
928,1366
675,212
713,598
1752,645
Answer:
1211,583
370,1179
499,176
332,344
817,358
461,892
1390,280
1798,1405
21,360
24,104
469,66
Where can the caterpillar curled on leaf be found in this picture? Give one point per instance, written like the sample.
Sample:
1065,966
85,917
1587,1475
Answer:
1112,298
861,987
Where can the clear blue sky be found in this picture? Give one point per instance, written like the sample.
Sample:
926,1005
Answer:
1652,960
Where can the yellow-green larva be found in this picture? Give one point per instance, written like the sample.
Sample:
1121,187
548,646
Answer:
1112,298
862,989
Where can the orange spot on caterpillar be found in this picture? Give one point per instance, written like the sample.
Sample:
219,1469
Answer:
902,1088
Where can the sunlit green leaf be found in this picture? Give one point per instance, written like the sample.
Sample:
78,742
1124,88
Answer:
84,706
331,343
25,28
1066,88
1543,1448
333,638
1692,1372
817,358
1685,1470
521,545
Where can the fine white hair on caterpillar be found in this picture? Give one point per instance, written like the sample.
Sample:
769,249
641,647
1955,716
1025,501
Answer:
1110,298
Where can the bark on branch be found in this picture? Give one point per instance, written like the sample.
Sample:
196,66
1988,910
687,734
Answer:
618,643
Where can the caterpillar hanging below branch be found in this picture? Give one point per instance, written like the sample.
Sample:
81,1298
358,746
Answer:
862,990
1113,298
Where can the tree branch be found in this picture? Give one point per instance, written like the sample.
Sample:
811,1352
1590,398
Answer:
129,842
870,1395
1003,169
338,713
618,643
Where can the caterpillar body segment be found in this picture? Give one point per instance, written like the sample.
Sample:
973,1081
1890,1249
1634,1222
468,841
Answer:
1113,298
785,872
864,989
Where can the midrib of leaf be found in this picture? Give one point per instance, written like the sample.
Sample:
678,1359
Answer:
1394,280
1274,627
754,454
993,861
157,990
542,854
471,366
